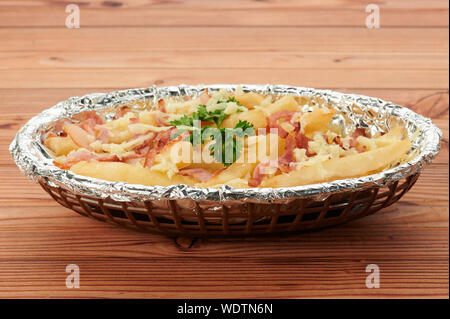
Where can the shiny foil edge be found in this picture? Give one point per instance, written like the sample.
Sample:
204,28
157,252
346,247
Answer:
32,159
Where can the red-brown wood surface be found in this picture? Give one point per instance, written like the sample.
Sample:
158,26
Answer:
123,44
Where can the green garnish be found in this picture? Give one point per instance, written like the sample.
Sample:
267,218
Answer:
202,114
233,99
229,149
230,138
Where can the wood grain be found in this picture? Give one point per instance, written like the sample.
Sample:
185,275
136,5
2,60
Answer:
125,43
258,39
319,78
216,59
230,13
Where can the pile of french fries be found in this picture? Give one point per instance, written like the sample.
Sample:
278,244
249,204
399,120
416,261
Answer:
122,152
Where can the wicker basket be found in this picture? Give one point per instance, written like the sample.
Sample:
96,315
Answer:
190,211
192,218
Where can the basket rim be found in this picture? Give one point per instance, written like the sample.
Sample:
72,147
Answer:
32,158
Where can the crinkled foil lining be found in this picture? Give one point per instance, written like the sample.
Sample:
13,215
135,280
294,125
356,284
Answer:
36,163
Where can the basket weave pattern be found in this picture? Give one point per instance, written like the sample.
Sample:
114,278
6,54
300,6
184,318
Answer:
200,218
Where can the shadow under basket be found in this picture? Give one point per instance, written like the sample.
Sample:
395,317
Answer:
207,219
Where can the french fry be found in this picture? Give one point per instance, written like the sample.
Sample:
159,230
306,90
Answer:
257,117
79,136
147,117
121,124
287,102
179,153
395,134
211,167
263,148
341,168
118,171
60,145
317,121
236,183
250,99
235,170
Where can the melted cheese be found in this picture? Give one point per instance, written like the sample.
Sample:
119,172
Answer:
120,149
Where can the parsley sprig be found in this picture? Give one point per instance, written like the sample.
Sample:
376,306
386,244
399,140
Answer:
202,114
230,138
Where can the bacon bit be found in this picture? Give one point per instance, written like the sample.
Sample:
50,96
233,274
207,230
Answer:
158,120
88,125
259,172
357,133
107,158
204,97
102,133
302,142
361,149
162,105
160,141
78,135
80,155
288,157
121,111
338,141
143,147
199,173
91,115
134,120
132,158
353,140
59,128
75,157
216,173
273,121
283,163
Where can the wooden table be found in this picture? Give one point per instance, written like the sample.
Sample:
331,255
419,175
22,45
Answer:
123,44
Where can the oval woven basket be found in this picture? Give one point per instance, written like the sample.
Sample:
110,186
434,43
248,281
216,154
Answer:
203,218
190,211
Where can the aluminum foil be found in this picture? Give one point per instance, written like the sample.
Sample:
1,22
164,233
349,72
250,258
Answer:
35,162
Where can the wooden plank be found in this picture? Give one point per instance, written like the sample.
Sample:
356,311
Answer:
225,278
53,232
414,41
214,59
319,78
229,13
